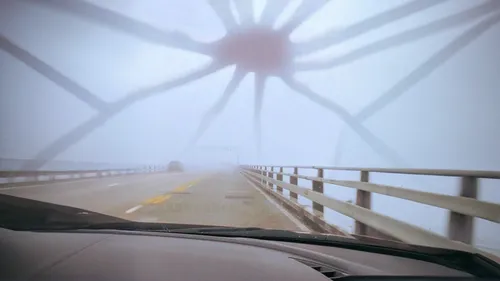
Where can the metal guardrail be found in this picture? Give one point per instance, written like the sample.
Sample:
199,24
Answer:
15,177
462,208
423,172
11,174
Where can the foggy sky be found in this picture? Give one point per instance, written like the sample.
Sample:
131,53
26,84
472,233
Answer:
448,120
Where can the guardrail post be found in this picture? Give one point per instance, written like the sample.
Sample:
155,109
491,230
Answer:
262,173
317,186
294,180
460,226
280,178
266,174
271,175
363,199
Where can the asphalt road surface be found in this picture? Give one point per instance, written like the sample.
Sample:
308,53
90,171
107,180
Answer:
222,197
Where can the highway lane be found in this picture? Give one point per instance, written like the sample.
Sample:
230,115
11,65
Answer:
216,197
224,198
109,195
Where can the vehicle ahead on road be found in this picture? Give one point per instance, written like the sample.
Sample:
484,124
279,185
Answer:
44,241
175,166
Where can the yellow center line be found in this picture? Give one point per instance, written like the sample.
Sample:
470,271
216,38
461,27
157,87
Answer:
164,197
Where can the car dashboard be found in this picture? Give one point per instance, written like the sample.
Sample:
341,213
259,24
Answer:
130,255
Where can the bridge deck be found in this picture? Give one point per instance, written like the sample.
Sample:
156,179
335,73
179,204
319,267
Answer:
209,198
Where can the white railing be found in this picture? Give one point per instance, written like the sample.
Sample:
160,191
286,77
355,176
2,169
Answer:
462,208
19,177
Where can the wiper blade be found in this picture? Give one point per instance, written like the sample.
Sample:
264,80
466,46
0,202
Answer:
126,225
311,238
219,230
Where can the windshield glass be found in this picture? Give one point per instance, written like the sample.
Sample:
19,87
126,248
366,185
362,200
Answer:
259,114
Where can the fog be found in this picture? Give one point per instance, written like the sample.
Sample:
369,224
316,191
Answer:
444,116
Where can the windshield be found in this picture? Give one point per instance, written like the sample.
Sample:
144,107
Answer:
363,119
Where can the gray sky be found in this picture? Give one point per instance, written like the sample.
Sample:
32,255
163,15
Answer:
448,120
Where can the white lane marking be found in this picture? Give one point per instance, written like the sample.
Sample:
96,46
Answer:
290,216
113,184
131,210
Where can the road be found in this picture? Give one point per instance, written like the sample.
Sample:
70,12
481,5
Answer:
221,197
